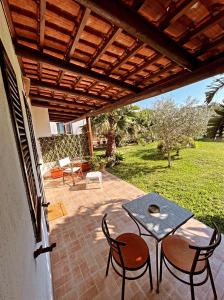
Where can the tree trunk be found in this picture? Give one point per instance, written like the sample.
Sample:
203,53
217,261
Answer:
111,145
169,160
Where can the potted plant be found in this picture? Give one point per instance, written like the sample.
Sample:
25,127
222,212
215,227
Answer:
98,163
95,163
102,164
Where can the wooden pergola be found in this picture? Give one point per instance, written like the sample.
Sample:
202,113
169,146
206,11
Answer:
86,57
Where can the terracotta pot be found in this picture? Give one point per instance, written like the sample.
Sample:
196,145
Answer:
56,173
102,168
85,167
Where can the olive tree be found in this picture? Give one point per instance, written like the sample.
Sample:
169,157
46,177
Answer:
172,123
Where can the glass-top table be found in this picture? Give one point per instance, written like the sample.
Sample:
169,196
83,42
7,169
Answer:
158,225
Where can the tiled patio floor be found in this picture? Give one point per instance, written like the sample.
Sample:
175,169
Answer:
79,260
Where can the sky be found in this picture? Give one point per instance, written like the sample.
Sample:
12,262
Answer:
196,90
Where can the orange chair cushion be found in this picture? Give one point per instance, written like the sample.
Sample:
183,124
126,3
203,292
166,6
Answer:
176,250
135,253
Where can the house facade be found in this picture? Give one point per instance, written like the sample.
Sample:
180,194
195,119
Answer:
22,276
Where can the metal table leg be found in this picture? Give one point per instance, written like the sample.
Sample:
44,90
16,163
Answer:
73,179
157,252
157,266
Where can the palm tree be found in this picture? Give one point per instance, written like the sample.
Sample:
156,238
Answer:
216,122
109,124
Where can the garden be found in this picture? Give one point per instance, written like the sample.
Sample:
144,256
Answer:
174,150
195,181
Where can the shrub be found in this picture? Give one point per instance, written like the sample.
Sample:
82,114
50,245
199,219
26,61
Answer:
161,147
119,156
95,163
115,159
110,161
186,142
191,143
141,141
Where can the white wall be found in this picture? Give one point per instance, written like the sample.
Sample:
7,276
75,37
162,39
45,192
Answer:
77,126
21,276
41,121
53,126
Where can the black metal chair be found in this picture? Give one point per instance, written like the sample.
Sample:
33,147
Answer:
190,259
130,252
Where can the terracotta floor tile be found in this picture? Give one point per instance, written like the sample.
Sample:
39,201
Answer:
80,258
72,295
89,294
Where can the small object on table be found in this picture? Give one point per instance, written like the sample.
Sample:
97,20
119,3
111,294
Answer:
94,176
153,209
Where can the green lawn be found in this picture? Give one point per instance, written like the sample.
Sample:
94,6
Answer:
196,180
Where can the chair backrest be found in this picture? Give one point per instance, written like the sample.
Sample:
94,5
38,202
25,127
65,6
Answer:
64,162
204,252
114,244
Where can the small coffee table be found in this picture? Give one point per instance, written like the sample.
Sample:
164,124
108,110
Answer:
93,176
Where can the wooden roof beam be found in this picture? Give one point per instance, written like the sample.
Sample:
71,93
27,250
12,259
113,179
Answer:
42,22
56,120
127,56
149,61
210,46
69,67
72,104
59,116
122,16
61,113
196,31
56,88
153,75
82,24
109,42
176,81
55,107
176,12
59,120
54,111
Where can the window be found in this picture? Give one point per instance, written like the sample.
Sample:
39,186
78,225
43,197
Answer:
12,92
60,128
68,128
